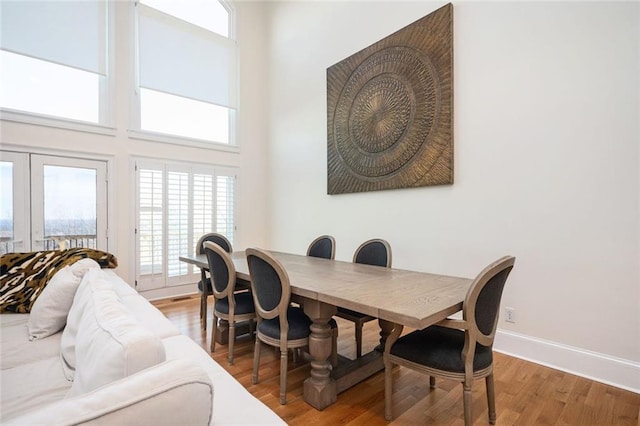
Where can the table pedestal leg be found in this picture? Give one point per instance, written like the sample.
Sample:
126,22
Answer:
320,389
386,328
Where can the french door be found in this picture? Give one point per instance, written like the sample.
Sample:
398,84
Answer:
52,202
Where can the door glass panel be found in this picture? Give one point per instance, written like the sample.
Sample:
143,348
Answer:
70,206
6,209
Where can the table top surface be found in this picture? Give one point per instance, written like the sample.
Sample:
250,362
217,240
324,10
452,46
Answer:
413,299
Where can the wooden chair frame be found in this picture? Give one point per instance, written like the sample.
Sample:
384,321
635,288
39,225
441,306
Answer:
318,240
473,335
360,319
229,293
204,295
280,311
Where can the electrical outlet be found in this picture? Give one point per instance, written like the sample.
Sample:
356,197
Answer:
510,315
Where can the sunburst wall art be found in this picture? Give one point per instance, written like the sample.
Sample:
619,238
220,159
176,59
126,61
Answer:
390,110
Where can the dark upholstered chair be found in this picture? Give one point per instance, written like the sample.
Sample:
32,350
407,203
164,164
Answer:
375,252
229,305
204,285
324,246
279,324
456,349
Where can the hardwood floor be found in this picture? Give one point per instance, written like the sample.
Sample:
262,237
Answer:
526,393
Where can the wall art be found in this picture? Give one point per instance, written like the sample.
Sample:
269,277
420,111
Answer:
390,110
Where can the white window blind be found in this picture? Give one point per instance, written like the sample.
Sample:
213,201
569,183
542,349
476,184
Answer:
71,33
224,204
202,203
183,59
150,221
54,57
177,221
177,204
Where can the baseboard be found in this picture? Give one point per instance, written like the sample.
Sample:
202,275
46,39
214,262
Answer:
603,368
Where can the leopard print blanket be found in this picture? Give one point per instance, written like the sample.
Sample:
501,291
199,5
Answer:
23,276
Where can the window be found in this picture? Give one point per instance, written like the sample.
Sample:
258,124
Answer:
177,204
186,69
54,59
39,212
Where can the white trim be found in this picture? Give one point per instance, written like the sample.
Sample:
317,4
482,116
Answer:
55,122
43,150
170,292
618,372
179,140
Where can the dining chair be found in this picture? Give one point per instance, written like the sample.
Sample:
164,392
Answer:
204,285
279,324
229,305
455,349
375,252
324,247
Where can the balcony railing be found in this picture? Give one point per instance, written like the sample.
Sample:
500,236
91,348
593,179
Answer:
54,242
61,242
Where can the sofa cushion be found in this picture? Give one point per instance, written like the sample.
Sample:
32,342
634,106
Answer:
110,343
50,310
149,316
120,286
31,385
143,311
16,348
68,338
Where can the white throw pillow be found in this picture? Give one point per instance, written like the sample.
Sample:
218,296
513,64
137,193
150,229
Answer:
49,311
82,266
110,343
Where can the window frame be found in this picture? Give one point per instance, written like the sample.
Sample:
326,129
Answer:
162,280
24,200
106,95
135,130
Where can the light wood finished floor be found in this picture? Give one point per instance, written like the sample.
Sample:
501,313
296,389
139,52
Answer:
526,393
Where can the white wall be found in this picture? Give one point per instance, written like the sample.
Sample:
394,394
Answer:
118,148
546,161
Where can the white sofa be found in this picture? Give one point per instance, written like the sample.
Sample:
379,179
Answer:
118,361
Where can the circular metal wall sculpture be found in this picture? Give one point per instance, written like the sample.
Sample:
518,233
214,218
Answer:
389,111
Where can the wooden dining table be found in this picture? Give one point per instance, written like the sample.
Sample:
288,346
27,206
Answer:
397,297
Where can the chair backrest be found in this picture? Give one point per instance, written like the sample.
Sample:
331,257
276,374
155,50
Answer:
269,285
324,246
219,239
482,303
221,270
375,252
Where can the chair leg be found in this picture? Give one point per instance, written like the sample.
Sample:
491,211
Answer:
432,382
388,389
232,338
491,398
205,296
256,361
358,339
283,377
214,331
467,400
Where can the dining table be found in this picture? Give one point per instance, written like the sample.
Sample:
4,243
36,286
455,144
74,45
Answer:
397,297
